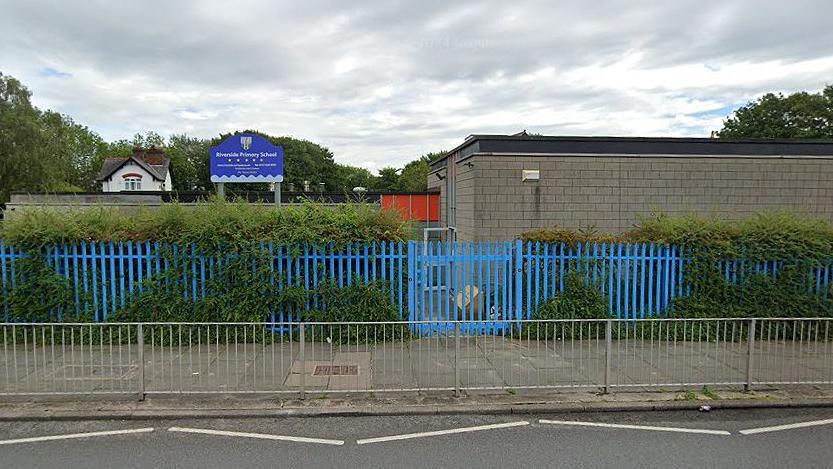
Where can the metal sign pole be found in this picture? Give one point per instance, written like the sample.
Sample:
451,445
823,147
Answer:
221,190
277,195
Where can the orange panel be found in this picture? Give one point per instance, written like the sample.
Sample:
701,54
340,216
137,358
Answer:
421,207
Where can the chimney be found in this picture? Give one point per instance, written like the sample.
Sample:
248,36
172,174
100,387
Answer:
154,150
137,151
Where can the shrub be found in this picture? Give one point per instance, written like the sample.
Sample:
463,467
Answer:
764,236
208,224
753,295
578,300
570,237
358,302
39,291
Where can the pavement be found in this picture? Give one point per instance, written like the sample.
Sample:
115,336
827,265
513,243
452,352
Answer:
755,438
436,363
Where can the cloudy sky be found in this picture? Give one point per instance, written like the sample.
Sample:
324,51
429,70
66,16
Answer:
381,82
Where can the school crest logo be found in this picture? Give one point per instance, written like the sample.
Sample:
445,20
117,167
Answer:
246,142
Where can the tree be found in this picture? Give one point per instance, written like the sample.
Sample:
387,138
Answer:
387,180
414,176
42,150
799,115
189,162
350,177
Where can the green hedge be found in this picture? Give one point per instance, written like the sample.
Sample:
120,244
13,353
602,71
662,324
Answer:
763,236
208,224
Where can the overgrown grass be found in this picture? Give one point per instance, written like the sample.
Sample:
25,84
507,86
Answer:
209,224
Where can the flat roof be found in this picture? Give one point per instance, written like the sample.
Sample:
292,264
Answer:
540,144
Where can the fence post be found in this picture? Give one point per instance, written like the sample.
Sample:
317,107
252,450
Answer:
140,344
456,359
608,354
411,282
750,347
303,361
519,286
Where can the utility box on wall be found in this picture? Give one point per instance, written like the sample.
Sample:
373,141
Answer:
530,175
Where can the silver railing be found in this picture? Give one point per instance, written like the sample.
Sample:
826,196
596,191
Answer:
359,357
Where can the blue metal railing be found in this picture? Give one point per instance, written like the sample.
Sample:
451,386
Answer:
489,285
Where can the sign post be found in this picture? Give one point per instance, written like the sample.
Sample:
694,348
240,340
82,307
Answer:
247,158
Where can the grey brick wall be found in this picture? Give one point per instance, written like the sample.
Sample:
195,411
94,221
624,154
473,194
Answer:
435,183
609,193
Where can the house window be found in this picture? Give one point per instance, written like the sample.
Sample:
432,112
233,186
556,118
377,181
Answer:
133,183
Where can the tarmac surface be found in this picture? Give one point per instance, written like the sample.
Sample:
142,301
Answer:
759,438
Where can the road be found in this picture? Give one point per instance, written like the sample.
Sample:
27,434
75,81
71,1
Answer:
700,440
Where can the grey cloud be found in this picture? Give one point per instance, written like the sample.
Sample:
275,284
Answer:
385,81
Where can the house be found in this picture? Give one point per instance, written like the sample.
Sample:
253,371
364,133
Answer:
144,170
495,187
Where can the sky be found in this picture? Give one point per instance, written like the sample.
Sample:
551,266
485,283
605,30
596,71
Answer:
382,82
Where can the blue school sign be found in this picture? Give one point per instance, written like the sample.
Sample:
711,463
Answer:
246,158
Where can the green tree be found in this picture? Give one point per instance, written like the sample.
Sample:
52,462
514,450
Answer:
414,176
189,162
350,177
19,135
42,151
799,115
387,180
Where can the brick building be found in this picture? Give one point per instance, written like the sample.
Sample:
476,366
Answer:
494,187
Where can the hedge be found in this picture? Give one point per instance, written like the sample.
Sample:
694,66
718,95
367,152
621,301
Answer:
207,224
763,236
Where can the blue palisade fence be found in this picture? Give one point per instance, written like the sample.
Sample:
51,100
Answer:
489,285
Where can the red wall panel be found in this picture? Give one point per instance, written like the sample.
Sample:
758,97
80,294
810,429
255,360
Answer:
421,207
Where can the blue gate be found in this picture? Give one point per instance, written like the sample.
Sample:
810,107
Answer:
471,282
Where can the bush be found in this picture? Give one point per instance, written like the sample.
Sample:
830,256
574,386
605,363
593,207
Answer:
570,237
208,224
764,236
358,302
754,295
578,300
39,292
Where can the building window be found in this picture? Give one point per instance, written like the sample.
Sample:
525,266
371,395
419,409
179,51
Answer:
133,183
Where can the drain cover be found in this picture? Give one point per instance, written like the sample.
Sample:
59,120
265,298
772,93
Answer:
336,370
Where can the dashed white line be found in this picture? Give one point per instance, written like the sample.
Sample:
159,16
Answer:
789,426
262,436
636,427
70,436
409,436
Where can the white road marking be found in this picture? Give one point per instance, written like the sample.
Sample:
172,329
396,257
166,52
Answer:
262,436
636,427
408,436
790,426
70,436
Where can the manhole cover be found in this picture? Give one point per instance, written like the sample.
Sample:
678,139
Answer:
336,370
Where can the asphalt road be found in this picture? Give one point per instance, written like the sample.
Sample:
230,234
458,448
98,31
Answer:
505,442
